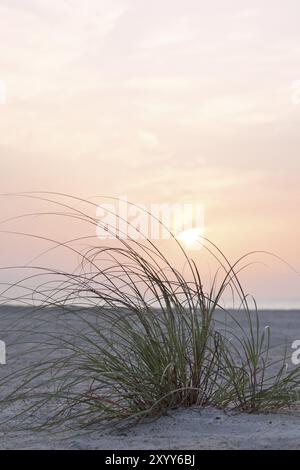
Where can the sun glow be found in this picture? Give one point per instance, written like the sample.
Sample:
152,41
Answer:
191,238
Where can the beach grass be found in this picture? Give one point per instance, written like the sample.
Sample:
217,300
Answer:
157,338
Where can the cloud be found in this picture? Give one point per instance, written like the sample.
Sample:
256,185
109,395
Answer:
201,182
243,36
243,109
247,13
49,41
178,32
148,139
62,31
161,84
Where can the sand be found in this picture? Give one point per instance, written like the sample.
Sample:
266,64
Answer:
180,429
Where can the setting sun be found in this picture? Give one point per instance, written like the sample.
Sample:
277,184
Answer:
191,238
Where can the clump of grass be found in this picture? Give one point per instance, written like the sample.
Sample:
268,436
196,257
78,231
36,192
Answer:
140,338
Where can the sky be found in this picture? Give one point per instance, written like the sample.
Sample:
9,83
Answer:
163,101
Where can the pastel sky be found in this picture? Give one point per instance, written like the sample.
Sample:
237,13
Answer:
162,101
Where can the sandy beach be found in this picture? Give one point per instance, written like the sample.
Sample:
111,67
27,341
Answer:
180,429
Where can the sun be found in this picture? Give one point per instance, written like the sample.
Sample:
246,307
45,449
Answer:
191,238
